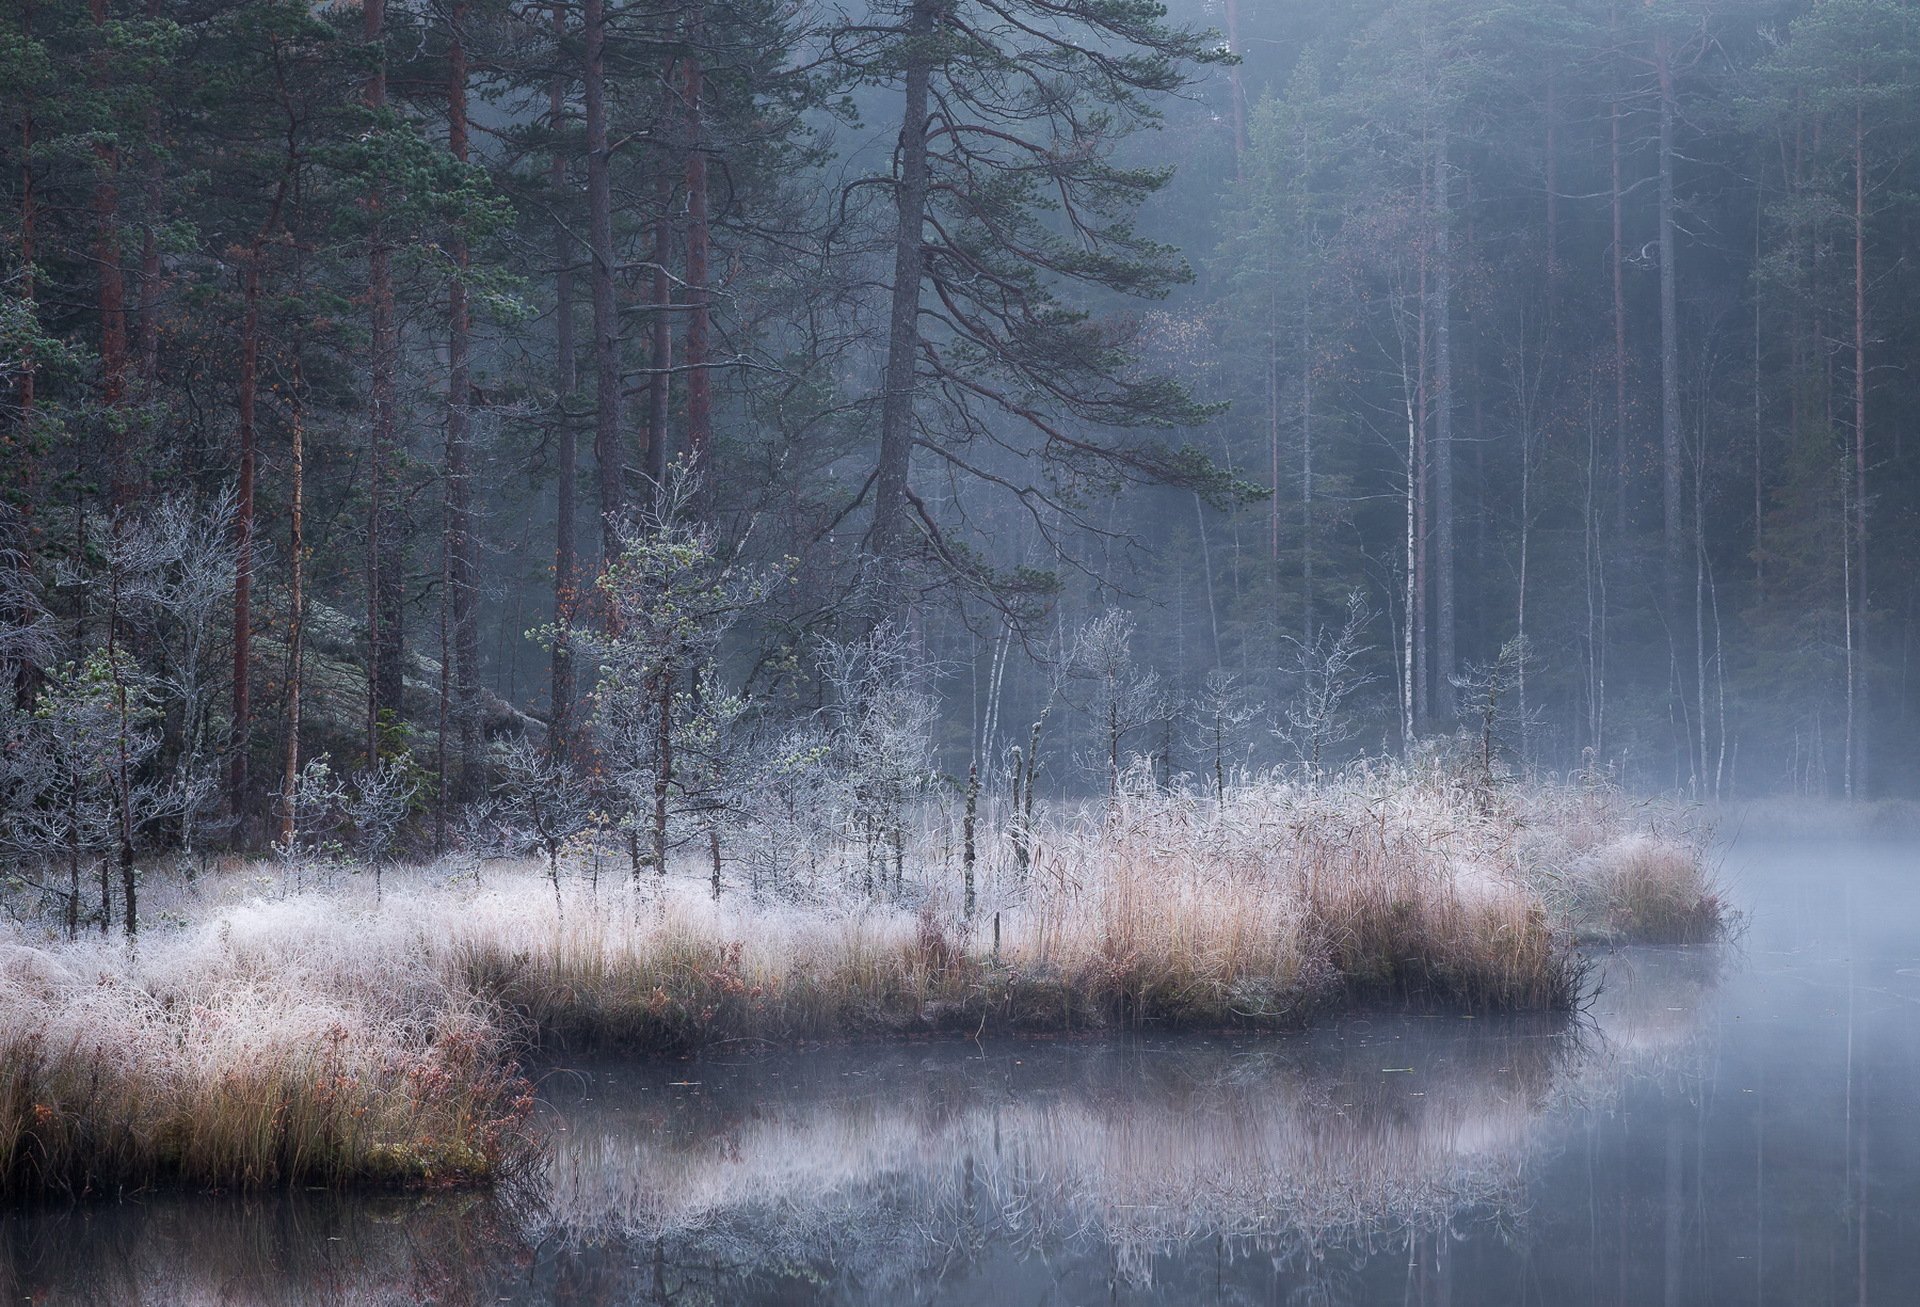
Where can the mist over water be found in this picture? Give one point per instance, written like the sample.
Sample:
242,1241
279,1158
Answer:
1731,1124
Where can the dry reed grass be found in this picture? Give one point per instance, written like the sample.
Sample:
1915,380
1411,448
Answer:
268,1047
334,1037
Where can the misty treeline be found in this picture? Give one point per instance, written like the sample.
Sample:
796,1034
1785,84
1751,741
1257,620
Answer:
417,415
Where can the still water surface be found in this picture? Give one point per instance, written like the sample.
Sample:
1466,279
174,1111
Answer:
1739,1124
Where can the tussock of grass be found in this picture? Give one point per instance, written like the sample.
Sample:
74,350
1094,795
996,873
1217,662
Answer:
226,1058
332,1037
1655,893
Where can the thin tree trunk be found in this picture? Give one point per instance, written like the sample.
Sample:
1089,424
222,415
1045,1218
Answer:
660,346
1623,479
888,540
112,290
662,768
1273,570
1445,617
296,609
240,740
1238,91
1860,733
565,568
153,198
1759,505
1669,327
699,380
1553,187
385,575
1700,612
1409,685
1306,465
21,453
1417,612
459,452
122,762
967,852
606,327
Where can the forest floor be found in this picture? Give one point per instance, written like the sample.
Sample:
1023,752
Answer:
288,1024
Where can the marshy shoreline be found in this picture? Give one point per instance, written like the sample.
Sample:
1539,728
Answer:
308,1025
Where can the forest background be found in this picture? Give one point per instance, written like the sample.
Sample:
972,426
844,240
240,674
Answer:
708,401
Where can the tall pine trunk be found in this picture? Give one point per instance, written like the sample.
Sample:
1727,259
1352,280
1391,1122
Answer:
607,451
20,448
1859,719
1445,617
1673,521
111,292
384,570
1238,91
459,453
660,342
153,199
1623,472
566,581
699,321
888,541
240,740
296,606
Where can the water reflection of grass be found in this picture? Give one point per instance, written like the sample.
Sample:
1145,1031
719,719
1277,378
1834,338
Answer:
1140,1150
334,1038
857,1176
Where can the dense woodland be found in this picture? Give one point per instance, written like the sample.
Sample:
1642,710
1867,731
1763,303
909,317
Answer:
656,416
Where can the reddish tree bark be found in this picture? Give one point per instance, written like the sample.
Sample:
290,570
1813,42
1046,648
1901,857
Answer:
660,347
296,604
153,187
606,327
385,637
459,507
565,568
699,320
112,291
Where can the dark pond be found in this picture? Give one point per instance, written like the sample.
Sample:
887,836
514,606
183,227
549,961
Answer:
1734,1125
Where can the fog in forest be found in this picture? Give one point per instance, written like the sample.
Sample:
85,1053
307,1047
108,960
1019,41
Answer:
821,651
1552,348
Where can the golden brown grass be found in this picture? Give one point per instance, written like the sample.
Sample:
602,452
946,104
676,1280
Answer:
330,1037
211,1061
